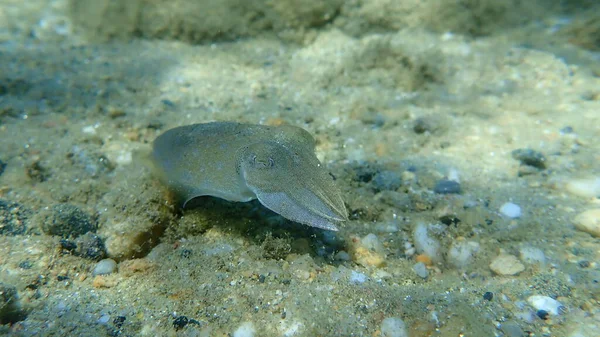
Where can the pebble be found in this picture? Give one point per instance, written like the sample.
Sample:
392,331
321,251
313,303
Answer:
10,306
393,327
505,264
532,255
14,218
105,267
586,188
367,251
445,186
589,222
421,270
68,220
426,244
530,157
511,210
461,253
386,181
245,330
2,167
357,277
548,304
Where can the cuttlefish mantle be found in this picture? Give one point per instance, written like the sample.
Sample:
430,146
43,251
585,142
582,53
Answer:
242,162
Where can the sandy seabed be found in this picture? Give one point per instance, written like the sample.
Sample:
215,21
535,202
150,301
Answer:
462,134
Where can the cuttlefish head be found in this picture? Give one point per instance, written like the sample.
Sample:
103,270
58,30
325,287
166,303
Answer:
293,183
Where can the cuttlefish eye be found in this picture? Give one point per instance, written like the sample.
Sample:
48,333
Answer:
262,163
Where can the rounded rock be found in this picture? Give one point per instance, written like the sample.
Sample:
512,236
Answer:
393,327
105,267
589,222
511,210
506,265
68,220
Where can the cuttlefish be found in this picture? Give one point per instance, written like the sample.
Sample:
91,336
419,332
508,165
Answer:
243,162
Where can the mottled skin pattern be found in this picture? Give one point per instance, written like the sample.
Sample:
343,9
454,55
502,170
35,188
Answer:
242,162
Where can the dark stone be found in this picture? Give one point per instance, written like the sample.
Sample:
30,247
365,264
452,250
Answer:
488,296
14,218
37,172
584,264
445,186
2,167
10,306
68,245
90,246
543,314
118,321
68,220
530,157
261,278
423,125
186,253
62,278
386,181
180,322
25,264
449,220
566,130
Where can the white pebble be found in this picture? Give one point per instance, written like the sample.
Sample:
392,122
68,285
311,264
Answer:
546,303
587,188
245,330
505,264
103,319
421,270
357,277
372,243
589,222
426,244
511,210
105,267
393,327
461,253
532,255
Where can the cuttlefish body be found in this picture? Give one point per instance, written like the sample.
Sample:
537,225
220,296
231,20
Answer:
242,162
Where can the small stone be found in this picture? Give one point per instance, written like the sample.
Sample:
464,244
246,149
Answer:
245,330
589,222
367,251
510,210
532,255
10,306
506,265
445,186
357,277
180,322
90,246
488,295
386,181
461,253
543,314
14,218
105,267
421,270
545,303
425,243
393,327
586,188
68,220
2,167
530,157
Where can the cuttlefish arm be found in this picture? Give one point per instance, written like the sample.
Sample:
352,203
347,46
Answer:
291,182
